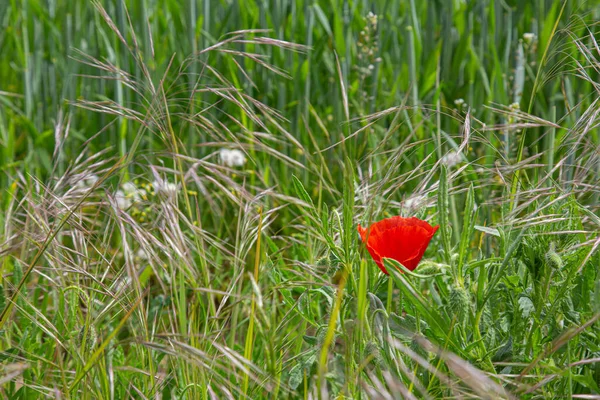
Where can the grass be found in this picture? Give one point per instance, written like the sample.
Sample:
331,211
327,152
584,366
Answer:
136,263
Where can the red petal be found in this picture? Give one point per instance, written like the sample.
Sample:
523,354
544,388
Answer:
404,244
402,239
362,232
377,258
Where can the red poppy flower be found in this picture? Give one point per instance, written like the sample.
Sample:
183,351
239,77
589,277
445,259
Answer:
402,239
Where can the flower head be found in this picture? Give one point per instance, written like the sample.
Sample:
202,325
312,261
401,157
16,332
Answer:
123,202
529,37
402,239
232,158
132,192
129,187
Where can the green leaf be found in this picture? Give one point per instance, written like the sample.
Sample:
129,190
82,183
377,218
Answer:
296,377
438,322
489,231
443,212
312,340
301,192
467,230
322,19
526,306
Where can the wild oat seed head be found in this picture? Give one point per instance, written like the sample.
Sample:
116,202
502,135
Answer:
91,180
451,159
414,202
165,189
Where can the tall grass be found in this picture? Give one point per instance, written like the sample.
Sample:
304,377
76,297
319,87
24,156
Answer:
137,262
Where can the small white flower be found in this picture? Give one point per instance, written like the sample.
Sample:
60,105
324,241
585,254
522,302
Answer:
459,102
170,187
372,18
451,159
132,193
232,158
129,188
529,37
123,202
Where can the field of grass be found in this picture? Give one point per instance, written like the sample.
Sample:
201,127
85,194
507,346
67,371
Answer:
181,184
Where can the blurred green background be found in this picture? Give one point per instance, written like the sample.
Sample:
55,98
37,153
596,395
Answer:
429,53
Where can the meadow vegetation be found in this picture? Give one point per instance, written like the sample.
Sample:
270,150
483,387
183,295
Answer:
181,184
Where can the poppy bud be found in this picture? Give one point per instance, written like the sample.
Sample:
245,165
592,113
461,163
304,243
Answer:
459,303
430,268
553,259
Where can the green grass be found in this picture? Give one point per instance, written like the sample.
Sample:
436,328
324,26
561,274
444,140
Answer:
135,263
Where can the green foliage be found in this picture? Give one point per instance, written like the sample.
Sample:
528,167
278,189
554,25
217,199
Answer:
179,204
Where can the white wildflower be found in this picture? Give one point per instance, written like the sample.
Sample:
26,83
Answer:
129,188
138,195
123,202
132,192
459,102
451,159
232,158
529,37
372,18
